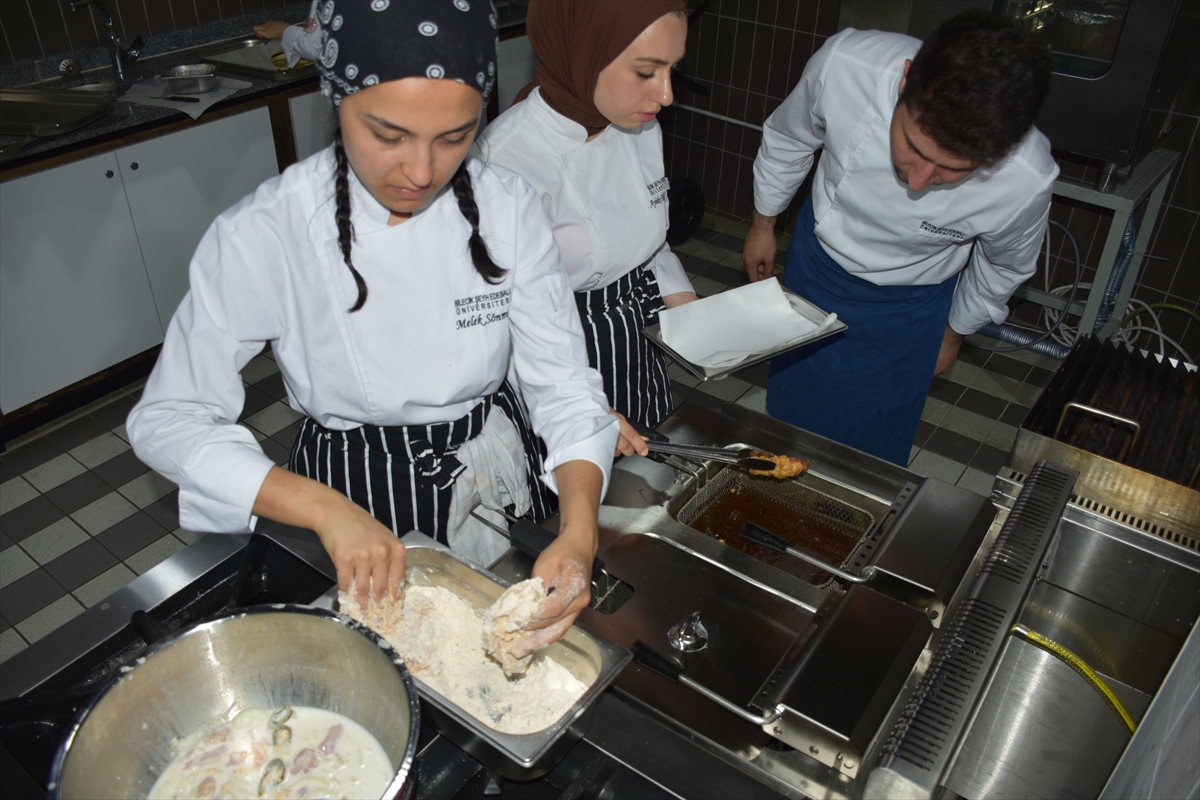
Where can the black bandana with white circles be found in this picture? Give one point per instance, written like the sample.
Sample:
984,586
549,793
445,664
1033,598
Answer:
375,41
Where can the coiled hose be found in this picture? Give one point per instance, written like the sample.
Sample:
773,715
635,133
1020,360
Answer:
1120,267
1076,663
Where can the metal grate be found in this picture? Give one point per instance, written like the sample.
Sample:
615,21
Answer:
1124,517
609,594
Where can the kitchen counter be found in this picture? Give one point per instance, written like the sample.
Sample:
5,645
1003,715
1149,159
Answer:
131,121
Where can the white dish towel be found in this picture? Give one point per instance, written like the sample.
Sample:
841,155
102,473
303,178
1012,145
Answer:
729,327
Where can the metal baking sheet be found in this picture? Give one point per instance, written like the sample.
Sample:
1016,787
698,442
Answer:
591,658
221,54
801,306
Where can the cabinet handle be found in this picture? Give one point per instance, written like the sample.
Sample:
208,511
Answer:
133,165
108,173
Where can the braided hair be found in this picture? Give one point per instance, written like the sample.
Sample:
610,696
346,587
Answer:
463,192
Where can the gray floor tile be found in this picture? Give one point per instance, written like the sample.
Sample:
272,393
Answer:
77,432
973,355
1002,437
145,489
6,542
29,595
961,372
757,374
118,471
54,472
755,399
1039,377
54,540
286,436
934,410
924,431
982,403
31,454
99,450
952,445
29,518
728,275
131,534
114,413
78,492
976,481
681,376
728,241
273,418
50,618
946,391
272,386
78,566
932,465
1014,415
259,367
11,643
150,557
695,264
989,459
707,287
15,492
165,510
101,515
276,452
14,565
1002,364
189,537
702,399
103,585
256,401
968,423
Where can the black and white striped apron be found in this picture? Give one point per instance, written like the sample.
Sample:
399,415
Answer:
634,370
404,475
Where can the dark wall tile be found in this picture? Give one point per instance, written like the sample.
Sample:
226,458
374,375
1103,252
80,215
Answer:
716,133
827,17
706,48
1187,277
82,29
725,52
776,84
184,13
802,49
744,44
768,10
729,182
51,29
1186,193
158,17
720,99
20,31
230,8
806,15
133,19
1170,239
208,10
6,56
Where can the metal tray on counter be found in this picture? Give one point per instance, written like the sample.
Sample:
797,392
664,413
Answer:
801,306
591,658
228,56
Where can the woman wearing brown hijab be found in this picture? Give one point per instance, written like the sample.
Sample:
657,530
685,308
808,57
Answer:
584,135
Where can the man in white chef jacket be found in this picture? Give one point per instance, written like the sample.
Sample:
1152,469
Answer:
927,211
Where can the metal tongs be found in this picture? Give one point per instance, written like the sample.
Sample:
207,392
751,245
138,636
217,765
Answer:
743,457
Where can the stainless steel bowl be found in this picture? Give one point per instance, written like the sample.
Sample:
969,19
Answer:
264,657
191,78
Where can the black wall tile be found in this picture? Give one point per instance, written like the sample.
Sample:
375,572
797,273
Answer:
20,31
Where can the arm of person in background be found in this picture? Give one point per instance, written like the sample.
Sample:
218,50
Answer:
299,41
1000,262
791,137
185,424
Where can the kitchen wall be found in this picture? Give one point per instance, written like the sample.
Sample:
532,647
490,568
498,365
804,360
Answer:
750,54
42,28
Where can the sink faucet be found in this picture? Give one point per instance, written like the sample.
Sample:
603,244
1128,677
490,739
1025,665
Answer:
121,55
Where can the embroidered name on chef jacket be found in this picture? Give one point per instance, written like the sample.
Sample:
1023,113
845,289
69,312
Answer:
658,191
482,309
948,233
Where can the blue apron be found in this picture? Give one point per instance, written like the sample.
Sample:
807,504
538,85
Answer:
865,387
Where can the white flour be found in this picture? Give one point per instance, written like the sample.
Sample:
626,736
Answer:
440,638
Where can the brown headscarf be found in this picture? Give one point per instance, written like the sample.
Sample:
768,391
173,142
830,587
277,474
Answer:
575,40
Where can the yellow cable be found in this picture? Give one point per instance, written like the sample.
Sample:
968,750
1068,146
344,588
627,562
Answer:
1175,306
1076,663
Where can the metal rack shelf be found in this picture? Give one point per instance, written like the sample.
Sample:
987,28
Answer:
1148,179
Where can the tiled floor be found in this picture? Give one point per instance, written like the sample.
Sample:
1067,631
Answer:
80,516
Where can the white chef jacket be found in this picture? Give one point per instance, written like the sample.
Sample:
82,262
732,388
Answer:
298,43
606,199
432,340
873,225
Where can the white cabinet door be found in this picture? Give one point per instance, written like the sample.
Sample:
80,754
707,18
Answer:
313,123
73,292
177,185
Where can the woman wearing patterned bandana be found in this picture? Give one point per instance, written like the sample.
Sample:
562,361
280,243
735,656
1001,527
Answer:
394,279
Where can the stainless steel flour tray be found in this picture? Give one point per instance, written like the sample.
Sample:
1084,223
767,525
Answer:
591,658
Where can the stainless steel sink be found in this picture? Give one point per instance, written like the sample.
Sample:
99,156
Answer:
47,112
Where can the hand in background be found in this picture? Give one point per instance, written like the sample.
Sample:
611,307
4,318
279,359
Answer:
271,29
951,342
679,298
